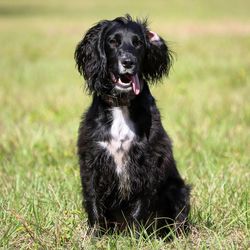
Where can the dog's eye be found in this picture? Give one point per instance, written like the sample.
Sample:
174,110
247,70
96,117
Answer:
113,42
137,43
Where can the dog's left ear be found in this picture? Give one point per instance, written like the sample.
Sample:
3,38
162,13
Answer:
158,58
90,57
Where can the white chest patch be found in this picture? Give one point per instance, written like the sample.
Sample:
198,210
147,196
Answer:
122,134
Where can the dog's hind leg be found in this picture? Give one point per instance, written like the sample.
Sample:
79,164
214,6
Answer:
175,199
91,203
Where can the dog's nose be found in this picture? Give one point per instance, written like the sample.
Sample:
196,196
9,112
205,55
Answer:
128,63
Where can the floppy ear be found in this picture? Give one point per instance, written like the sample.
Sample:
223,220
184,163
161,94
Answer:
90,57
158,58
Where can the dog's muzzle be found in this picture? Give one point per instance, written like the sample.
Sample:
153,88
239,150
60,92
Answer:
127,81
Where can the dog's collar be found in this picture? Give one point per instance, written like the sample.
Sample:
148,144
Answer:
115,101
118,101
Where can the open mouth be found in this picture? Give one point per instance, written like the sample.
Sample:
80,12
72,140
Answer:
127,81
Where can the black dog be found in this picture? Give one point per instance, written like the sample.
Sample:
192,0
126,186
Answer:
128,172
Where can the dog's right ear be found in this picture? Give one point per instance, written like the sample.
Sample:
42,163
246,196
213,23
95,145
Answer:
90,56
158,57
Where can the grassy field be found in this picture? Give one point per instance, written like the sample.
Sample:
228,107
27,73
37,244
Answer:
204,104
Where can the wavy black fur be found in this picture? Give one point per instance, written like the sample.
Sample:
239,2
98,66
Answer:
157,194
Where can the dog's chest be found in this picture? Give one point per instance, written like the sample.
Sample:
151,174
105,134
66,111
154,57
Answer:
122,134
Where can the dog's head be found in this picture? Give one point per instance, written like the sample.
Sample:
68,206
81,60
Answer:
115,56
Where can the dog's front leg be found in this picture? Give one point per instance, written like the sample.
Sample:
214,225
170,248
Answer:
139,211
97,223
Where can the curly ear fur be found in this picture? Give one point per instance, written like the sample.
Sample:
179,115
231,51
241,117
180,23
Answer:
158,59
90,57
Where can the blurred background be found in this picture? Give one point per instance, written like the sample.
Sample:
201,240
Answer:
204,105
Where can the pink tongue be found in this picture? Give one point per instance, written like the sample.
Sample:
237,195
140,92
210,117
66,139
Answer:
136,84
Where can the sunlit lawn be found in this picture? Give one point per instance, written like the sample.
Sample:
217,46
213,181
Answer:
204,105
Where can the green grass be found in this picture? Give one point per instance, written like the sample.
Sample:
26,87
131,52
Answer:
204,105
